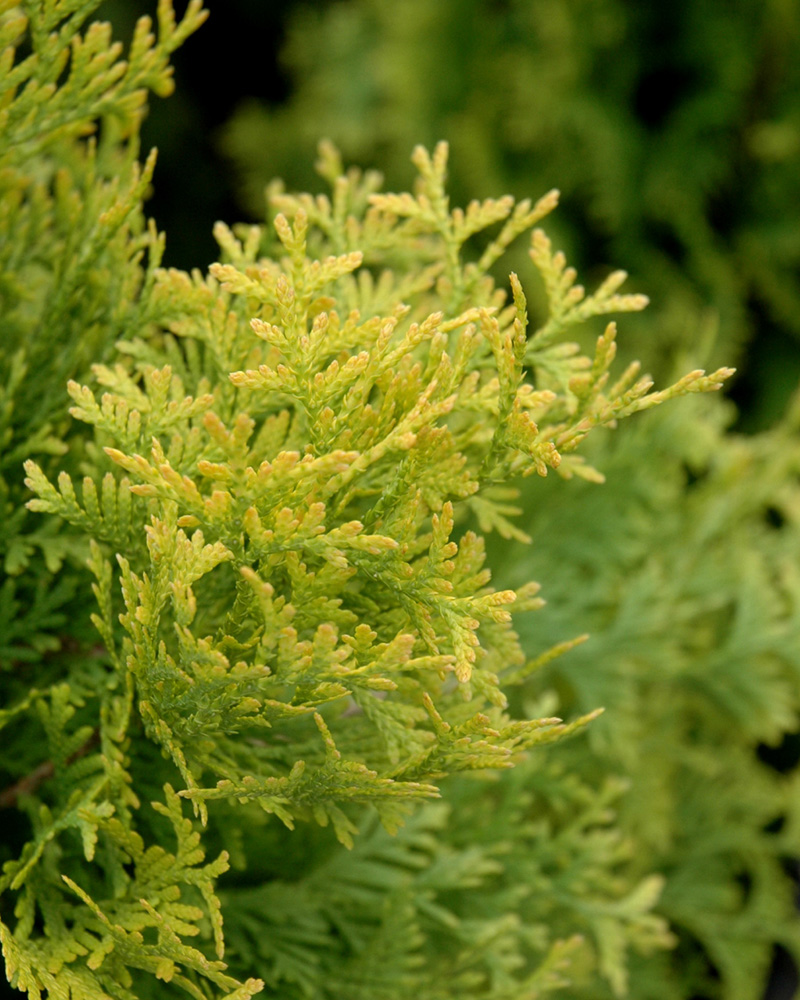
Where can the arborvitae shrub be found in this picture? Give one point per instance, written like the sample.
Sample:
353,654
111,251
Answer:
305,750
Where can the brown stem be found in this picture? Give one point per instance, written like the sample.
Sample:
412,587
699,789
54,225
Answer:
42,773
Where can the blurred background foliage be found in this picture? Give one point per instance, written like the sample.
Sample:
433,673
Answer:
673,132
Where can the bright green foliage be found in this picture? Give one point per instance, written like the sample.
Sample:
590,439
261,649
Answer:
277,475
73,247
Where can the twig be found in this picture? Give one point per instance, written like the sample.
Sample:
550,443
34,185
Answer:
42,773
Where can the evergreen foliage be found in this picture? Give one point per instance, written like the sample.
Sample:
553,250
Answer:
76,259
305,751
694,640
300,633
672,130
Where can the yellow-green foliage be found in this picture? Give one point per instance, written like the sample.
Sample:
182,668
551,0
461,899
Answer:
677,157
282,470
73,246
297,467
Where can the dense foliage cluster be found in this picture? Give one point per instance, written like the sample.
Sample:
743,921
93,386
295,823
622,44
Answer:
266,723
